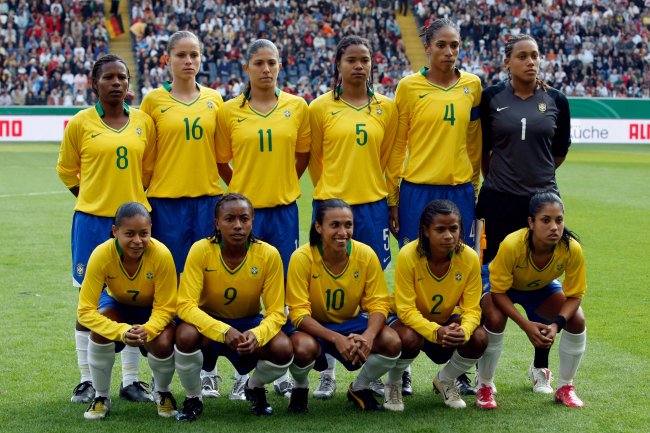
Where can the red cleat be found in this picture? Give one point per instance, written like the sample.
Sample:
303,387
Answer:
567,396
485,398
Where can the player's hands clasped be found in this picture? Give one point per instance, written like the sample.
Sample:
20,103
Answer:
539,334
136,336
451,335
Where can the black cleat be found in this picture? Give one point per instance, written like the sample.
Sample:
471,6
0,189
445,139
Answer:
257,397
137,391
407,388
364,399
299,400
464,385
192,408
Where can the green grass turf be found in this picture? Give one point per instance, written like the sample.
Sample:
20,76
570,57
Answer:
605,191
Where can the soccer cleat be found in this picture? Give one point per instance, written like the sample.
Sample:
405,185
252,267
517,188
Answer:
192,408
210,386
165,403
485,398
407,388
377,387
393,397
257,397
83,393
299,400
137,391
98,409
566,395
237,391
449,392
284,387
541,378
464,385
364,399
326,387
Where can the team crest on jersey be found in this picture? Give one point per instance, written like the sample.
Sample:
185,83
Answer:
254,270
210,105
80,269
149,275
379,112
541,107
466,90
138,131
459,276
356,275
559,266
287,113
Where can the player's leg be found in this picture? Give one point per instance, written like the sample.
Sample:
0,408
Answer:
305,351
161,361
572,346
411,345
494,323
188,358
412,200
371,228
463,196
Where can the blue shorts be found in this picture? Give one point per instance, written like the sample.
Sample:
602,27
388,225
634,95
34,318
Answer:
88,231
128,314
531,300
358,325
179,222
278,226
242,363
413,198
370,227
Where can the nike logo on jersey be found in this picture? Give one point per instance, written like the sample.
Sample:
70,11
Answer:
95,135
162,110
111,278
334,113
209,270
315,276
501,109
420,279
241,120
423,95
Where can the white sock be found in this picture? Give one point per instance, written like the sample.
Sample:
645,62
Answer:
572,347
283,378
81,344
301,374
375,367
266,372
188,367
331,366
487,364
130,364
163,371
395,373
456,366
101,358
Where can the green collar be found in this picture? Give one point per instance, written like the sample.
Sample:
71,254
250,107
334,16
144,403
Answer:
100,110
168,85
118,248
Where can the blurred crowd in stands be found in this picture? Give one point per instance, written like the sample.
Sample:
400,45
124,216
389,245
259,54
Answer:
590,48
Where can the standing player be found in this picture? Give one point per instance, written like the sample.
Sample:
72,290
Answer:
526,136
105,159
434,274
439,124
128,297
353,129
219,302
524,271
185,184
330,281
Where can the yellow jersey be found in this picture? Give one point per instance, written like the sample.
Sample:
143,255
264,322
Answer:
186,164
153,285
263,148
210,290
109,166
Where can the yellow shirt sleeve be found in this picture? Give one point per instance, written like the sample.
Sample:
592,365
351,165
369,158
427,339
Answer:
316,153
375,297
298,276
149,157
68,166
475,139
303,143
575,276
398,151
164,303
273,298
470,301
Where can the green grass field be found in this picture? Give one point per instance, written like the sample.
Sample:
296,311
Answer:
605,189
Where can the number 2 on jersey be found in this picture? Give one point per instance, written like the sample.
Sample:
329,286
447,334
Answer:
438,300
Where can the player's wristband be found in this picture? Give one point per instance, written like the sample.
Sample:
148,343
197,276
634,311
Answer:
560,321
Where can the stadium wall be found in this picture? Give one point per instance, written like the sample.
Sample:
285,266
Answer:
593,120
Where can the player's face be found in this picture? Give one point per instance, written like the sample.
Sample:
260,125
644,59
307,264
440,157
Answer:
235,222
548,225
133,235
443,49
112,83
336,230
354,66
443,234
263,69
524,61
185,59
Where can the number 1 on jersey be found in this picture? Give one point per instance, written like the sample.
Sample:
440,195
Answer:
269,139
523,128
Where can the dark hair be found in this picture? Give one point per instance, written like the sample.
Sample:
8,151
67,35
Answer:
337,82
510,45
428,32
537,202
99,64
129,210
227,198
321,209
253,48
430,211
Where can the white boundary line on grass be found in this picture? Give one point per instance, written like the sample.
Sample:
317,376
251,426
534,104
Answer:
30,194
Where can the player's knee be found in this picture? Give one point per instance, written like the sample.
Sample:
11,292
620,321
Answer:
96,338
162,346
280,349
476,344
577,324
388,342
187,338
412,342
305,349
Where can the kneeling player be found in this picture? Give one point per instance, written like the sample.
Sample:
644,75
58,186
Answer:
219,303
434,274
136,308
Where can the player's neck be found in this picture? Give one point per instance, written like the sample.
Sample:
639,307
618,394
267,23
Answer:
233,255
184,90
443,77
263,100
354,95
439,266
336,261
523,89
